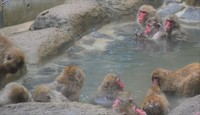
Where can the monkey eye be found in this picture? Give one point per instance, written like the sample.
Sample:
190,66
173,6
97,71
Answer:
9,57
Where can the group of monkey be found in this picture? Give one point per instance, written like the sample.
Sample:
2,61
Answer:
110,93
159,34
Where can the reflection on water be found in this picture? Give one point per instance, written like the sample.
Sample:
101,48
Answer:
134,67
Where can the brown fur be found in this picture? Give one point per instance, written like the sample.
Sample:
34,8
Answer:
191,85
11,60
172,81
43,93
108,90
125,105
151,11
176,34
70,82
155,102
14,93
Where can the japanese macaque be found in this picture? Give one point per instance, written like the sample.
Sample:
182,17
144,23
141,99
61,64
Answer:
155,102
155,33
171,82
125,105
14,93
12,59
108,90
191,84
174,32
145,12
69,82
43,93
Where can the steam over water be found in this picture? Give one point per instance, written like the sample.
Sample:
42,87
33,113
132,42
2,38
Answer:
112,49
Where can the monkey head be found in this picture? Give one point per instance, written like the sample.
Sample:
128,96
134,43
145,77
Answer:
159,75
41,94
125,105
153,24
13,60
112,81
145,12
70,74
171,22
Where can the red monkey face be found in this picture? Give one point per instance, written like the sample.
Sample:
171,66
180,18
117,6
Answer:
148,29
142,16
168,25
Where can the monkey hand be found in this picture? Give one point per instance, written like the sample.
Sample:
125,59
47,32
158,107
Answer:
120,83
139,111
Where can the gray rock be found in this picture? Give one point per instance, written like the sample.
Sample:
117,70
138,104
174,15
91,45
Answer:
190,106
170,9
76,18
70,108
191,13
43,44
116,9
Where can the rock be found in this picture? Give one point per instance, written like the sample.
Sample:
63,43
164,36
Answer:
190,106
76,18
71,108
42,45
170,9
192,2
116,9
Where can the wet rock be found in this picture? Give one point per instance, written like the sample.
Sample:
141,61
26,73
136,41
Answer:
190,106
43,44
76,18
191,13
70,108
116,9
170,9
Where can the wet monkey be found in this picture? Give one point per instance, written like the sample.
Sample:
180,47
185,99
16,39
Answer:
108,90
125,105
69,82
155,33
14,93
175,34
155,102
144,13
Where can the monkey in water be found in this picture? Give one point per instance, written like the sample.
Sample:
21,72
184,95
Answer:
108,90
175,34
125,105
14,93
43,93
144,13
155,102
69,82
12,59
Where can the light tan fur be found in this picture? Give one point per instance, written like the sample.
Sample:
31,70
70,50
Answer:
43,93
191,84
70,82
108,90
14,93
155,102
151,11
126,104
172,81
11,60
